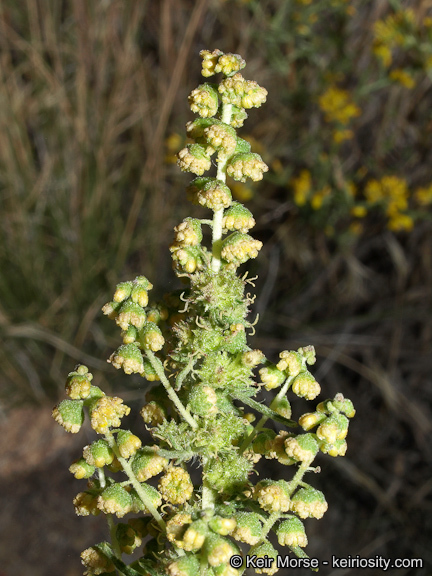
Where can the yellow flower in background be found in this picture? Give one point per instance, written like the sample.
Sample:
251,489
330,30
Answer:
318,198
403,77
356,228
390,189
302,187
338,106
399,221
383,53
395,28
341,135
351,188
173,143
359,211
424,195
242,192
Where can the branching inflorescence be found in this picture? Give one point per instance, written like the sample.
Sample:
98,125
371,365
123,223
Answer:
193,348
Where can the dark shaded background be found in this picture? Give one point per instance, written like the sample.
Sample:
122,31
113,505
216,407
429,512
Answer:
89,91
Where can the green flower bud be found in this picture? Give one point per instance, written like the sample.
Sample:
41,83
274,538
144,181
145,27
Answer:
222,137
267,552
184,566
344,405
123,291
127,443
153,413
334,427
176,527
291,363
130,313
281,406
222,526
143,282
139,295
98,454
128,357
96,562
210,192
291,532
210,60
242,93
106,413
86,504
195,535
262,444
130,335
238,248
308,352
127,538
115,500
151,493
189,232
311,419
186,259
194,158
252,358
203,400
306,386
339,448
249,165
111,309
309,503
277,449
238,116
271,377
147,465
228,472
151,337
70,415
78,383
302,448
204,100
81,469
238,218
219,549
176,486
249,527
272,496
229,63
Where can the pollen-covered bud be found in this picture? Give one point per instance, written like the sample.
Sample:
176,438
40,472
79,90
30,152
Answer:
96,562
123,291
149,372
238,248
189,232
311,419
219,549
309,503
210,192
151,493
238,218
184,566
334,427
222,526
222,137
277,449
210,59
291,532
176,486
130,335
85,504
147,465
252,358
302,448
271,377
263,442
305,386
106,413
291,363
194,158
242,93
238,116
153,413
339,448
151,337
308,352
115,500
203,400
111,309
80,469
246,165
98,454
228,472
344,405
281,406
229,63
127,538
195,535
248,528
272,496
157,313
186,259
267,552
78,383
176,527
70,415
130,313
128,357
139,295
127,443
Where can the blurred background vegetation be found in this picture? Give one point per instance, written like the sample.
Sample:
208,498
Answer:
93,102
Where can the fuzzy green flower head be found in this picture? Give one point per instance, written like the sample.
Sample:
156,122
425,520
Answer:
309,503
130,313
302,448
238,116
153,413
272,495
228,472
96,562
339,448
123,291
305,386
265,551
194,158
308,353
246,165
176,527
98,454
271,377
204,100
129,358
248,528
189,232
70,415
344,405
115,500
222,526
334,427
310,420
238,218
195,535
176,486
203,400
252,358
106,413
85,504
186,259
229,64
210,192
78,383
239,248
151,493
291,363
222,137
210,60
282,407
184,566
151,337
242,93
291,532
128,444
146,466
81,469
219,549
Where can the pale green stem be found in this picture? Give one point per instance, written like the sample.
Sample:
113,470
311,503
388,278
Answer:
127,469
218,214
296,480
102,480
274,517
158,368
208,494
112,529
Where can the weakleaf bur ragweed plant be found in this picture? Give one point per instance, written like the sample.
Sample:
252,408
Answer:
192,490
